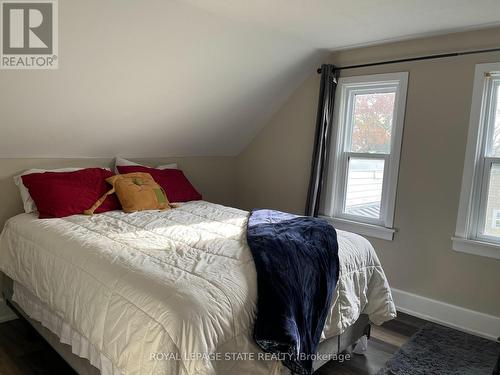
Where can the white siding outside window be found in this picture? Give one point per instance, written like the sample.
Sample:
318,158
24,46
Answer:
495,221
364,161
478,221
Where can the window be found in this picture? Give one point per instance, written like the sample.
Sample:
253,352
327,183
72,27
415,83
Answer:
495,221
478,222
364,162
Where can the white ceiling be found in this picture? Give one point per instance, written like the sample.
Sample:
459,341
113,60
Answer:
335,24
178,78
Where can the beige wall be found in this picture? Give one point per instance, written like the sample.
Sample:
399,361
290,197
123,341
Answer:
212,176
273,170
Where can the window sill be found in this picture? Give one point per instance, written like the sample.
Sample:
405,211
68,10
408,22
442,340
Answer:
364,229
475,247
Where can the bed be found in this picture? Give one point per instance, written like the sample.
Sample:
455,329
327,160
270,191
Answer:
168,292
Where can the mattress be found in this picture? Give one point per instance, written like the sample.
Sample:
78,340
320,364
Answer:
170,292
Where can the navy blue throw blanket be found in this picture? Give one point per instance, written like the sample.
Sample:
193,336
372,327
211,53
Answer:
297,264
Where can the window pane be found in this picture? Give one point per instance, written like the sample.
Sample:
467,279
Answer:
364,187
372,126
492,220
495,149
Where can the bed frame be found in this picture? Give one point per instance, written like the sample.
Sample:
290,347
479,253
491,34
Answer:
333,345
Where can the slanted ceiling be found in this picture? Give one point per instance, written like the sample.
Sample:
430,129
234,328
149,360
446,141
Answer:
183,78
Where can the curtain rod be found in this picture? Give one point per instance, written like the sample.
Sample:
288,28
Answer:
419,58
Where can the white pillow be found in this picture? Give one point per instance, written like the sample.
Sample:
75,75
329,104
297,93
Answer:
28,203
167,166
121,162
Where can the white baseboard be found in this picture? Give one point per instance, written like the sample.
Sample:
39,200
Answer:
6,314
470,321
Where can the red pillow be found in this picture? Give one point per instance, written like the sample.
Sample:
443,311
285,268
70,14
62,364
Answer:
60,194
173,181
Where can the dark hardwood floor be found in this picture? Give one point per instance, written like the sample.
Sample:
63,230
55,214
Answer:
384,341
23,351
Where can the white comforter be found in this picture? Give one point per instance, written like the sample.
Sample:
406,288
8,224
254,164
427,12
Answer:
181,283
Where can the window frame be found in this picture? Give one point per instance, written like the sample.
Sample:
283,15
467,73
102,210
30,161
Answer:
334,200
477,167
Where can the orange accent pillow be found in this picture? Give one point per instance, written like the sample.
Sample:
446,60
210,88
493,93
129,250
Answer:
136,192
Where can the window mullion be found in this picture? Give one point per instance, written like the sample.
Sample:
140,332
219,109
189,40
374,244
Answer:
492,160
342,165
483,197
388,169
366,155
489,117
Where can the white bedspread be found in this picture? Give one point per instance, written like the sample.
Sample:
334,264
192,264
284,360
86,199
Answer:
181,283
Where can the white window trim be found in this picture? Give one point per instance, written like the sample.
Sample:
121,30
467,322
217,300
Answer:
369,230
336,180
466,237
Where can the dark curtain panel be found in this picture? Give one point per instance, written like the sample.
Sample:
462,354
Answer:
324,119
